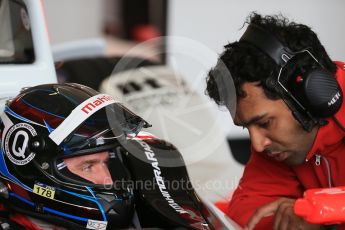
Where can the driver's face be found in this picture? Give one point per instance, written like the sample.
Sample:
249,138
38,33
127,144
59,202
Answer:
92,167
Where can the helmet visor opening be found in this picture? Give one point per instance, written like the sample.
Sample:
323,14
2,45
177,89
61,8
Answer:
99,170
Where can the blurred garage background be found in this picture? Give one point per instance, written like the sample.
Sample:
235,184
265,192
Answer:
154,56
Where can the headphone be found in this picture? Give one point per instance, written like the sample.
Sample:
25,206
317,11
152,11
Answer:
312,95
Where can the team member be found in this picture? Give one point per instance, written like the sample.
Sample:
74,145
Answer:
289,97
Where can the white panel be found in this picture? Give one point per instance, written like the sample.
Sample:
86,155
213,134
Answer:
70,20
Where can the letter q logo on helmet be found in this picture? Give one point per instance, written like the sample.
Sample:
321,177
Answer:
43,131
16,143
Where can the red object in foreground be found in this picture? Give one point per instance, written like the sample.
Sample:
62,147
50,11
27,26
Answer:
322,206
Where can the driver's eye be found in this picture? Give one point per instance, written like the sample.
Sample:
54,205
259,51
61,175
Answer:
87,168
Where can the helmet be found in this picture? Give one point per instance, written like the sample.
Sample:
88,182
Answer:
46,126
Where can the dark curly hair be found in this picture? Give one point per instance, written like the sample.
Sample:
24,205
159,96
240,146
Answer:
247,63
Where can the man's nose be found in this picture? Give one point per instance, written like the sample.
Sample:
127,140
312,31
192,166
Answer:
103,176
260,142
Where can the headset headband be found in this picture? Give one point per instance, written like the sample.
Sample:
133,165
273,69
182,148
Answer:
267,43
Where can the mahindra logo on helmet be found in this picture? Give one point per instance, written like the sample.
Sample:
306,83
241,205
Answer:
94,104
334,99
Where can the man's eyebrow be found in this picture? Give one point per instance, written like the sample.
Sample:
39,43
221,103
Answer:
251,121
87,162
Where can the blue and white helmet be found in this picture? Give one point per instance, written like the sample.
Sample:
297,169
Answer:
41,129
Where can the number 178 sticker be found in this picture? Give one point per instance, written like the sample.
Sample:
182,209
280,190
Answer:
44,190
